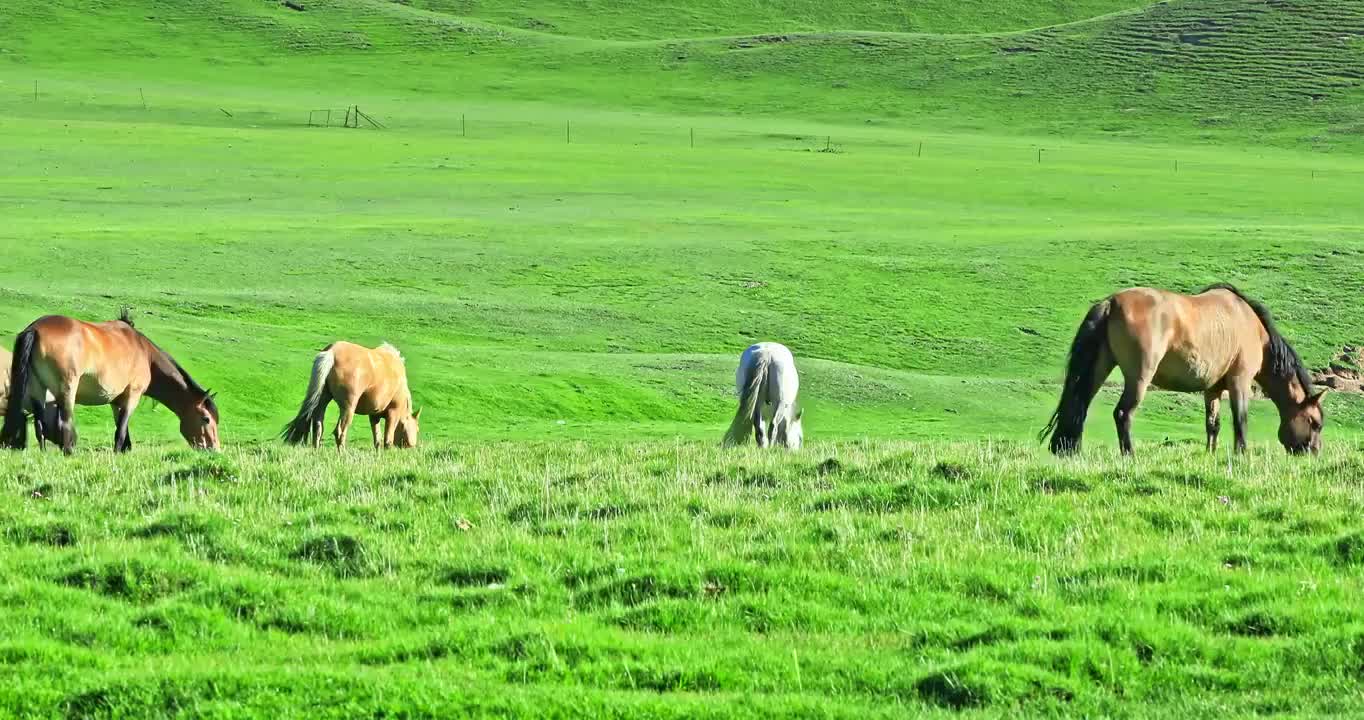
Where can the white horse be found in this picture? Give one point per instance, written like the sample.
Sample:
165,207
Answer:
767,384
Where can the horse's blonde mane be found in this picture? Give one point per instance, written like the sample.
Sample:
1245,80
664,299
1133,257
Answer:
390,349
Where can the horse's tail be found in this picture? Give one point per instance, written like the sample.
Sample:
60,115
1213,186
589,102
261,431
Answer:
296,432
14,434
1067,424
749,396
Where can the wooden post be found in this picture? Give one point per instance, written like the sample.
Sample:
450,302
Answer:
462,132
693,137
568,132
921,148
144,98
1039,156
35,91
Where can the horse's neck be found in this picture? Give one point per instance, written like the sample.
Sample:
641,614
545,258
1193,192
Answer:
168,386
1284,392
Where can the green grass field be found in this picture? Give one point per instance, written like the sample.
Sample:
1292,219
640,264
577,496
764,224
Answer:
578,215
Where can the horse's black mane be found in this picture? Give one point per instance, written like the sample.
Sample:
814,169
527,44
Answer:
170,367
1284,361
125,315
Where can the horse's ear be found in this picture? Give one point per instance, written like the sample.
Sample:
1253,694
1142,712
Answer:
800,413
1316,399
418,415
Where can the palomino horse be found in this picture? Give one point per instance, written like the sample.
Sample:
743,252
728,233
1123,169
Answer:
107,363
48,422
360,380
767,384
1216,341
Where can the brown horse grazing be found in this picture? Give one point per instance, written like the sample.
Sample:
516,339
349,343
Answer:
360,380
49,419
1213,342
108,363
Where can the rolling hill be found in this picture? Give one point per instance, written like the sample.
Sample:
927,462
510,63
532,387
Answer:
571,217
1287,72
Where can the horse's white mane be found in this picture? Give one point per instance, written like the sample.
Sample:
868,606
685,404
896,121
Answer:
390,349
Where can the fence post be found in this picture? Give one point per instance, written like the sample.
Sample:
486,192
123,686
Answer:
693,137
568,132
1039,156
462,132
921,148
144,98
35,91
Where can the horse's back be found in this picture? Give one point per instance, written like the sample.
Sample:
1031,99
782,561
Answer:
782,379
376,376
1199,338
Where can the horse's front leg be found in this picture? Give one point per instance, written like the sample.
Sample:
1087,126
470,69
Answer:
374,421
123,412
1240,411
390,428
66,417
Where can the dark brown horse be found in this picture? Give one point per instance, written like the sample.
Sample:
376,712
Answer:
107,363
1216,341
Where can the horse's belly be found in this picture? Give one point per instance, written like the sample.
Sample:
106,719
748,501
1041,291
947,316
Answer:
372,404
91,391
1184,374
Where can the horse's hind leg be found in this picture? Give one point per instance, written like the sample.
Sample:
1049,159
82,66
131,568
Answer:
1133,392
347,406
1212,420
319,418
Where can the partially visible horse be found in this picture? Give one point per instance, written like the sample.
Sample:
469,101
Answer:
767,384
1216,341
371,382
48,422
106,363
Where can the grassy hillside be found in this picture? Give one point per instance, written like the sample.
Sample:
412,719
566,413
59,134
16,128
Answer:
545,289
662,580
1286,73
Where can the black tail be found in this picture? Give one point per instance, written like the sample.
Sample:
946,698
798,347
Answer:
14,434
1067,424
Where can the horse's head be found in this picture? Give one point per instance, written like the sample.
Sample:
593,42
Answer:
199,425
405,436
795,434
1300,425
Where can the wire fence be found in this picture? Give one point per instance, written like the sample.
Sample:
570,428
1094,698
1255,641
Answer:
874,137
